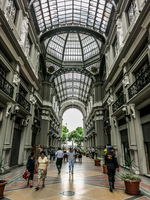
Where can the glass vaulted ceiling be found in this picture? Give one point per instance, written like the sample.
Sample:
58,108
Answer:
72,47
72,85
90,13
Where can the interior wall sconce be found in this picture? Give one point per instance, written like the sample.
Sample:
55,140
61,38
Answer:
126,115
16,110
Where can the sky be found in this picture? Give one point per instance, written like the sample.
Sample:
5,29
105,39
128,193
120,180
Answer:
73,118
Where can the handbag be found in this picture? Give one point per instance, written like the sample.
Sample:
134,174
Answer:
26,175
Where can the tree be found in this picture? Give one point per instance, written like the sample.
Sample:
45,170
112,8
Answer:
64,131
76,135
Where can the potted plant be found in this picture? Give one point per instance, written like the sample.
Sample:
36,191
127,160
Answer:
104,168
132,182
2,182
97,162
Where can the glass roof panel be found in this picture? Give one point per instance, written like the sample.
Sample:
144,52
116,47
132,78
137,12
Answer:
74,85
52,13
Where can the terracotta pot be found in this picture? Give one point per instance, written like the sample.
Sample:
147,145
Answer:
132,187
97,162
105,169
87,155
2,186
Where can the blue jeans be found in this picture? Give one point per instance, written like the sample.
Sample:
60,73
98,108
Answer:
71,164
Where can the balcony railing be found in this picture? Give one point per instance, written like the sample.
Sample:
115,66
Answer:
23,102
6,87
120,101
53,129
139,84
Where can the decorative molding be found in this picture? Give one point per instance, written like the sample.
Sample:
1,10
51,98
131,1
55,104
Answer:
110,100
115,121
132,109
9,105
98,118
44,117
16,79
125,80
24,30
33,99
120,32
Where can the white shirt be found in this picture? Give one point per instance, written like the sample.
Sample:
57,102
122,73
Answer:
59,154
42,162
93,150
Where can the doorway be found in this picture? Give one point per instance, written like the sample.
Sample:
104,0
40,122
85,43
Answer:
146,134
15,147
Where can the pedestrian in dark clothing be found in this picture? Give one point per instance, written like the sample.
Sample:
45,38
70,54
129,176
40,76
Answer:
59,155
53,152
112,165
30,167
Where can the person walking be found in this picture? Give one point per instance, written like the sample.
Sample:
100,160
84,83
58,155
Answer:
93,152
112,165
30,167
71,156
42,169
59,155
96,153
53,152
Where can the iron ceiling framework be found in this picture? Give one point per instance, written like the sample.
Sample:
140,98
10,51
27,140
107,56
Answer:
72,33
55,13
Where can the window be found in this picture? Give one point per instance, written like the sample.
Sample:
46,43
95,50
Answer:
115,47
131,11
11,8
3,72
28,46
22,91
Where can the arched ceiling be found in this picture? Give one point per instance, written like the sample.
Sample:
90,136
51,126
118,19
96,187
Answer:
72,34
93,14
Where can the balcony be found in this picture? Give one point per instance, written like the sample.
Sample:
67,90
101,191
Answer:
90,130
139,84
6,87
120,101
53,129
23,102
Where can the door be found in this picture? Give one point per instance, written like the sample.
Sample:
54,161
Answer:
146,134
15,147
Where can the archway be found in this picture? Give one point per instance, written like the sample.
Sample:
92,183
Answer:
73,104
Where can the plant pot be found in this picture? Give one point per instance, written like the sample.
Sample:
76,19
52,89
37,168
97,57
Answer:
132,186
105,169
2,186
87,155
97,162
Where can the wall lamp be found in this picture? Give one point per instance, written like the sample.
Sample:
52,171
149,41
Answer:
15,113
126,115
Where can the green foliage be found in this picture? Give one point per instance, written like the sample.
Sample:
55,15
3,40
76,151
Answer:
64,131
129,176
77,136
128,161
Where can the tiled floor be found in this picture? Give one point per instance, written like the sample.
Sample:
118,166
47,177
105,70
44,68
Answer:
87,183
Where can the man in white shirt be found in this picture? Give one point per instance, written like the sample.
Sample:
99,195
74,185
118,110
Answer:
71,156
59,155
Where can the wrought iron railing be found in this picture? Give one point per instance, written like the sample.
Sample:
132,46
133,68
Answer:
6,87
139,84
53,129
23,102
90,130
120,101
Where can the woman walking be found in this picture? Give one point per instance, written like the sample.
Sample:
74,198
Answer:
42,169
30,168
71,156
